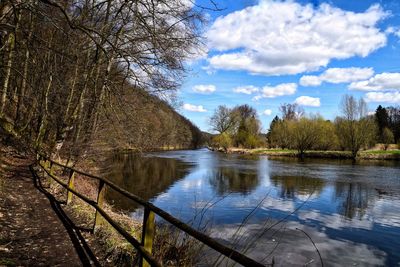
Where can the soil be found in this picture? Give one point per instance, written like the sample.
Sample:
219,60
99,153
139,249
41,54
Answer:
34,228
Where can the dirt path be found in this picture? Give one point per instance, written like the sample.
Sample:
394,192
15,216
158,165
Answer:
34,231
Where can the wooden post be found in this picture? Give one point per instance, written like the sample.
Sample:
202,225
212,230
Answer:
43,163
148,233
46,169
51,171
100,199
71,186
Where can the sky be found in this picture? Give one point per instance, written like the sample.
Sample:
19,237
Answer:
265,53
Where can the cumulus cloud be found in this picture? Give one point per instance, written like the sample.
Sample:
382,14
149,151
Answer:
310,80
308,101
204,88
337,75
393,30
248,89
267,112
389,97
285,37
194,108
382,81
278,90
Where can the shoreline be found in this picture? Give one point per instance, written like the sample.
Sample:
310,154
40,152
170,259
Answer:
363,155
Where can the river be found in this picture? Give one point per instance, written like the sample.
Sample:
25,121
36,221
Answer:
273,209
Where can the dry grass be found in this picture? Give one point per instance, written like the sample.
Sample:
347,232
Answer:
175,248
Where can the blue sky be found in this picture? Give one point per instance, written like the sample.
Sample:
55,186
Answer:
265,53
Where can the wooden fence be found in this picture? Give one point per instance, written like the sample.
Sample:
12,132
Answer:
145,245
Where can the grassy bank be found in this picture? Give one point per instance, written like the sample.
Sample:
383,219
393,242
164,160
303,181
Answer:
366,154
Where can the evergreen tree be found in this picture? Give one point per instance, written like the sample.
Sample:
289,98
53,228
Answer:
382,121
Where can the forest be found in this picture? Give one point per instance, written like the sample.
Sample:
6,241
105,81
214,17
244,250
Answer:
354,130
78,75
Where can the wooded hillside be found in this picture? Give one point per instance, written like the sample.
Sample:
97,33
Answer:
74,72
145,122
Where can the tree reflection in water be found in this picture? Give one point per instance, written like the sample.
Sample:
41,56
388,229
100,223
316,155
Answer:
354,209
294,186
354,199
146,177
231,180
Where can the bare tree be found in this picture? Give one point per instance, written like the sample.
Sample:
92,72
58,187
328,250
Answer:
291,111
354,129
223,120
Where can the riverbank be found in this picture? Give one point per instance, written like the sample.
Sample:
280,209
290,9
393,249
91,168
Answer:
364,155
22,212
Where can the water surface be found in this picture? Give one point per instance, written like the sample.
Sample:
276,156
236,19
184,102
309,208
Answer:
274,209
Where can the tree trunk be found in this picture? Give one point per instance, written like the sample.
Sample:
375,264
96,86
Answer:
11,42
44,122
21,96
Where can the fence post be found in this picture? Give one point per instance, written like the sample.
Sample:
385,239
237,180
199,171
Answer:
71,186
100,199
51,172
148,233
51,167
43,163
46,169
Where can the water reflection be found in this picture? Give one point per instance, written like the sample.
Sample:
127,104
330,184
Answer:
230,180
354,199
354,208
146,177
292,186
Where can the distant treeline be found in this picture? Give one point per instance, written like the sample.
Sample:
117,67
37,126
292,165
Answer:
354,130
75,72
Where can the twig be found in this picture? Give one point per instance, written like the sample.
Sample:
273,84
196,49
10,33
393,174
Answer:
309,237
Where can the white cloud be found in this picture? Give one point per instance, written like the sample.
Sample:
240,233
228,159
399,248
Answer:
248,89
382,81
337,75
393,30
285,37
390,30
308,101
204,88
310,80
389,97
194,108
267,112
278,90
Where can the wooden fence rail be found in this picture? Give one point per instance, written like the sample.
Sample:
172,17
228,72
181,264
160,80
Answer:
144,247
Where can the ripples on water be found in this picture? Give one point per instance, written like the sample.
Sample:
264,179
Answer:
351,212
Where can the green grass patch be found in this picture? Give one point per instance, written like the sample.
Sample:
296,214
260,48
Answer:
383,152
259,151
7,262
